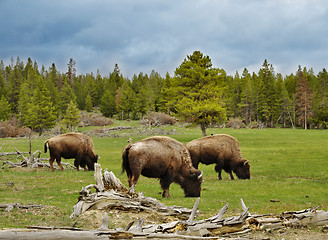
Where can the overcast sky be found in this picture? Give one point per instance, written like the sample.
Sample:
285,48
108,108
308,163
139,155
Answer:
145,35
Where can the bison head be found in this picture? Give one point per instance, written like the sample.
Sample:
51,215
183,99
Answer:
242,169
89,162
191,184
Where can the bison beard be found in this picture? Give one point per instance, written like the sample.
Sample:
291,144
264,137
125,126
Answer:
72,145
163,158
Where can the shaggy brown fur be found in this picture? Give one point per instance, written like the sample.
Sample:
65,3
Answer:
222,150
164,158
72,145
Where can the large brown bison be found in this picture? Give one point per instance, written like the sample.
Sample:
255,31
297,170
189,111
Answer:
222,150
72,145
164,158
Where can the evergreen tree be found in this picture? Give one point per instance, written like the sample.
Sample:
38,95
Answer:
99,89
267,94
233,96
321,100
3,85
71,71
196,91
15,81
88,103
71,118
41,114
303,99
163,104
126,99
51,84
66,95
107,104
4,109
246,101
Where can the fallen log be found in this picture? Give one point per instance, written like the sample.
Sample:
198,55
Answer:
11,206
11,153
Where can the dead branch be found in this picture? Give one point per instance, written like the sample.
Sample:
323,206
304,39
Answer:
11,206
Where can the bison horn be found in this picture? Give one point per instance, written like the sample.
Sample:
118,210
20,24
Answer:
200,176
246,163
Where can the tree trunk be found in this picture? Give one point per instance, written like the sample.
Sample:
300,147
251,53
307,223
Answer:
203,127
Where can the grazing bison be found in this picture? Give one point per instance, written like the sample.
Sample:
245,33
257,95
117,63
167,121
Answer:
222,150
72,145
164,158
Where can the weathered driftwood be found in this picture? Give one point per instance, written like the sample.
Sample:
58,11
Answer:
11,153
11,206
33,160
111,193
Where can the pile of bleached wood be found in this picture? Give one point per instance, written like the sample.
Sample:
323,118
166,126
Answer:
111,193
33,160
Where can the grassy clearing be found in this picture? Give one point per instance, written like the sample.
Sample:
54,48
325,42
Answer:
288,165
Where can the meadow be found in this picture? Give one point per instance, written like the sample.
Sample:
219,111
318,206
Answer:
288,166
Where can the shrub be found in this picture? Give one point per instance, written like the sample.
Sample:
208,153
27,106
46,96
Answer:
157,119
10,128
235,123
93,119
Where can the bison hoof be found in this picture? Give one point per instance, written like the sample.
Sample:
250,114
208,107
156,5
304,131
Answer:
166,194
132,190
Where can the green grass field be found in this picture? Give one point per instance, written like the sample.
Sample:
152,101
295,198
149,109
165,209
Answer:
287,165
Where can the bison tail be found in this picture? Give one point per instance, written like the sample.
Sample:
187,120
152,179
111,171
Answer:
125,158
45,146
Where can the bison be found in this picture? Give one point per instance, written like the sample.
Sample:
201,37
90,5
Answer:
222,150
72,145
164,158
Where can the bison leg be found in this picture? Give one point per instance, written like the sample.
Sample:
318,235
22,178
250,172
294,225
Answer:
219,170
77,161
51,163
165,182
59,163
231,176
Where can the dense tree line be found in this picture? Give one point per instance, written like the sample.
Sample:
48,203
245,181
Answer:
40,98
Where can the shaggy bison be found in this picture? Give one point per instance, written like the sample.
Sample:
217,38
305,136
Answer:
72,145
222,150
164,158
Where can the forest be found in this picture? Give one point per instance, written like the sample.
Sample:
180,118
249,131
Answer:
40,97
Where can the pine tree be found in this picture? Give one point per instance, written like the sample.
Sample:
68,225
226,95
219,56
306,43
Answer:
246,104
107,104
321,99
41,113
15,81
125,100
196,91
71,118
51,84
88,103
4,109
303,99
66,95
267,94
71,71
